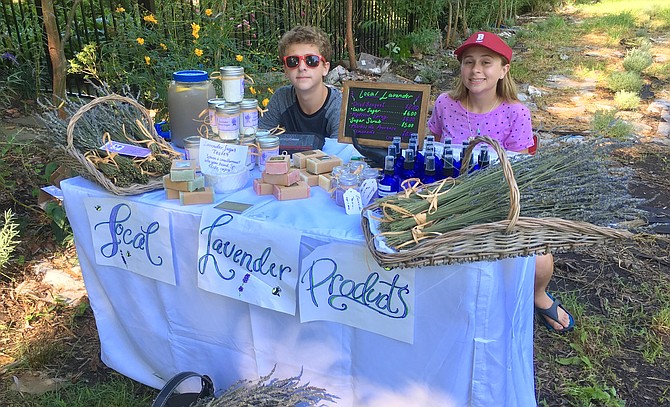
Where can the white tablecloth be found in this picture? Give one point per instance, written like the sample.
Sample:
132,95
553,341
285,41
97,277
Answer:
473,341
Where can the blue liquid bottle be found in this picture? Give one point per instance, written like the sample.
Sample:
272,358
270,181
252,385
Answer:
448,169
429,170
408,165
484,157
399,159
389,184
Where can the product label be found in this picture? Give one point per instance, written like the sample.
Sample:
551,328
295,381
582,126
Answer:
250,118
125,149
368,190
231,123
353,203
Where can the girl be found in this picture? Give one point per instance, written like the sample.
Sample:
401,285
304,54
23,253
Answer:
484,102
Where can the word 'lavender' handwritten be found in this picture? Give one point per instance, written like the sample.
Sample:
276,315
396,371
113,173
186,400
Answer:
217,246
383,297
119,234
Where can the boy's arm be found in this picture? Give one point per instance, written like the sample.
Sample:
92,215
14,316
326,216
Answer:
333,111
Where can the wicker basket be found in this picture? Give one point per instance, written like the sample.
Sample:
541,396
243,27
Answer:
515,236
88,170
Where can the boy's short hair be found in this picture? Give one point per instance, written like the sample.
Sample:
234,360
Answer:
306,35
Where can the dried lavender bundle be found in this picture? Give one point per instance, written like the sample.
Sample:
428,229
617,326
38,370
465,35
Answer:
576,182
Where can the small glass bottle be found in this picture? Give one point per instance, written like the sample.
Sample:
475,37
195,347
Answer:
269,147
248,116
448,169
408,165
192,148
211,104
252,151
399,159
389,184
232,83
346,181
484,158
228,121
471,162
429,170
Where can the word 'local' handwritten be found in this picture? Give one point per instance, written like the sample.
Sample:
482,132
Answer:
376,294
239,256
123,235
384,95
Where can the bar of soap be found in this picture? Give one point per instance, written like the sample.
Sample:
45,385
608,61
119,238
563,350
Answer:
182,170
289,178
201,196
186,186
322,165
171,193
300,158
278,164
325,181
311,179
262,188
299,190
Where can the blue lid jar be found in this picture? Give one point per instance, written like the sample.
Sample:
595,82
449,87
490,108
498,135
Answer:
190,76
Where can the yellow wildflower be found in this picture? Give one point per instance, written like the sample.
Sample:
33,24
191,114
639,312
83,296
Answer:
252,90
140,40
147,60
163,46
120,10
208,12
196,28
239,58
265,102
198,52
150,19
272,92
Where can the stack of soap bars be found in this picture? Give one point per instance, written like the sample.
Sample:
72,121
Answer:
186,184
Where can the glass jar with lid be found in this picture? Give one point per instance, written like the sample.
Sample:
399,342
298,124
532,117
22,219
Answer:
228,121
268,147
346,181
232,83
188,94
248,116
252,150
211,105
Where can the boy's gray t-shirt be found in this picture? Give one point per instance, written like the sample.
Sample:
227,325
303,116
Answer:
284,110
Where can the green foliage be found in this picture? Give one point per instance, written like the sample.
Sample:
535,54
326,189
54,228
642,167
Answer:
117,392
628,81
603,395
8,237
616,26
429,73
637,60
625,100
606,124
398,52
425,41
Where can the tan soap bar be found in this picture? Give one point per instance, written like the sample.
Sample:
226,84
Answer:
262,188
278,164
300,158
322,165
299,190
171,193
311,179
201,196
289,178
182,170
324,181
186,186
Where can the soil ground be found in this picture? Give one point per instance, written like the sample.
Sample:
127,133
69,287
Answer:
607,282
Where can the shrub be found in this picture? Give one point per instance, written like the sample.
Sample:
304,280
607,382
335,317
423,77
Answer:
637,60
8,235
626,100
425,41
606,124
629,81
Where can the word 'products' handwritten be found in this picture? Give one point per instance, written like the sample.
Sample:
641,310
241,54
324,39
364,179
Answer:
228,249
120,235
381,296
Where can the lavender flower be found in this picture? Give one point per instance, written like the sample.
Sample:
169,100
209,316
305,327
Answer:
10,57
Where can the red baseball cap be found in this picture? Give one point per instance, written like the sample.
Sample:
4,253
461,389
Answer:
487,40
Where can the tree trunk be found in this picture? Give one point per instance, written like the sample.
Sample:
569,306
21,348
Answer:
351,50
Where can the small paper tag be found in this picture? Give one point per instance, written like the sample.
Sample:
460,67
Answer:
368,190
352,202
126,149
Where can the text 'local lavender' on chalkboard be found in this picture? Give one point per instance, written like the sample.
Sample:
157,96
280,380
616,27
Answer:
376,112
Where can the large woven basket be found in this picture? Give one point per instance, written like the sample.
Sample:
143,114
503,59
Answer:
88,170
512,237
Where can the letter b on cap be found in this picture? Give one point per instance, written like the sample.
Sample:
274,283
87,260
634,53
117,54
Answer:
480,38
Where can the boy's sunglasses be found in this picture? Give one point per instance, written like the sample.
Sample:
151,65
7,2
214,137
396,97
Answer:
312,61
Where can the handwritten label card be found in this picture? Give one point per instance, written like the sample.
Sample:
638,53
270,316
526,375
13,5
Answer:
132,237
377,111
221,158
342,283
125,149
244,259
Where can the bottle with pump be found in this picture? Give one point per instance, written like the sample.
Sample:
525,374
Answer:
471,164
448,169
484,158
390,183
429,170
408,165
399,159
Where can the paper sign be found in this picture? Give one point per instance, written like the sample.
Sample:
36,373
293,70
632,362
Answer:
244,259
126,149
352,202
131,236
342,283
221,158
368,190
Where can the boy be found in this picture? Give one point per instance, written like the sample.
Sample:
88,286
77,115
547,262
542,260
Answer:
307,105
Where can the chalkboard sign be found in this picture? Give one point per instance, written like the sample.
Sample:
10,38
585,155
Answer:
378,111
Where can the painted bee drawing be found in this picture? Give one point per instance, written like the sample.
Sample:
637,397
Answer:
276,291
